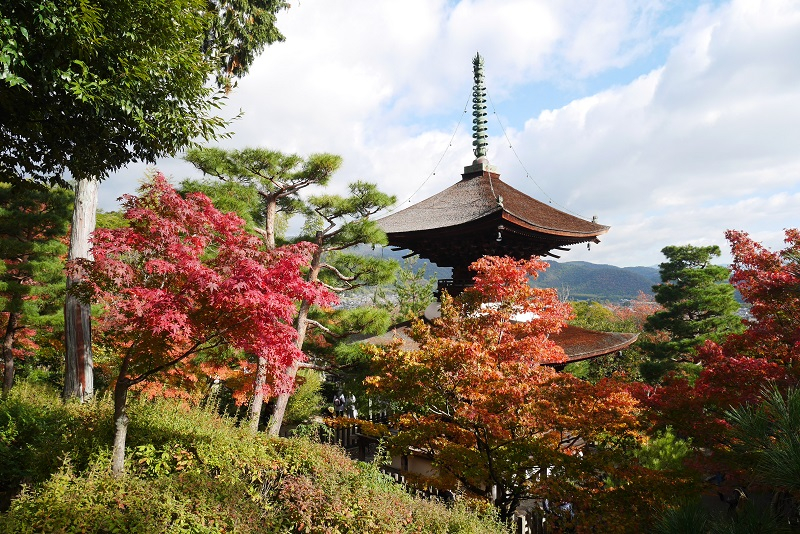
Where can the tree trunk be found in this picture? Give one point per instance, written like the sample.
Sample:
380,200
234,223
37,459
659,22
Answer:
270,212
258,394
281,402
78,379
302,326
120,426
8,354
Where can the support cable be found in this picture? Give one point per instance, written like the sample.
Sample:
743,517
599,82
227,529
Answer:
433,172
528,174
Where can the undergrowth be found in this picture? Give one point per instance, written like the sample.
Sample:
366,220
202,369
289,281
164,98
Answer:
189,470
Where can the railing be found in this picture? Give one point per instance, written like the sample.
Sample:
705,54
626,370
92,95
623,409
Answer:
532,522
453,288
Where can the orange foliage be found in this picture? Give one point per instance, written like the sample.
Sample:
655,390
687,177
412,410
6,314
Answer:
477,400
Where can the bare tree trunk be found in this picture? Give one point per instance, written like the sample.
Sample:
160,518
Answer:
78,378
302,326
8,354
283,399
258,394
270,212
121,421
281,402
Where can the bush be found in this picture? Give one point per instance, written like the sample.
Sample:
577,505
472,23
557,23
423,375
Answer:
97,502
189,470
38,432
664,452
306,401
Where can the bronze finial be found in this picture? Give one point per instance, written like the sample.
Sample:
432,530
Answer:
479,135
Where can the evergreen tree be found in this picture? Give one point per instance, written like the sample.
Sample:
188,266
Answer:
275,179
335,223
33,225
274,176
412,290
698,303
228,196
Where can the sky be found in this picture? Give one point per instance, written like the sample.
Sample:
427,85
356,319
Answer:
671,121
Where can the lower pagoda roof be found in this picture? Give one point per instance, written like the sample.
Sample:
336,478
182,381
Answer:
577,343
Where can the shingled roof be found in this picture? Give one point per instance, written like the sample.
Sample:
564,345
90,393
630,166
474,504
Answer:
482,215
484,194
577,343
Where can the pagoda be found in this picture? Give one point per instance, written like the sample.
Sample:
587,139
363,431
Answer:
481,215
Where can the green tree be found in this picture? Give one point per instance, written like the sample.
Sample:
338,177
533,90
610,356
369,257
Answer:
698,303
87,87
306,401
229,197
276,178
335,223
413,291
33,222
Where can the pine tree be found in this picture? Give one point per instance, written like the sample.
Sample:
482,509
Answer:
698,303
33,225
335,223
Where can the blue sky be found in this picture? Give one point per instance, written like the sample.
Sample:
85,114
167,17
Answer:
671,121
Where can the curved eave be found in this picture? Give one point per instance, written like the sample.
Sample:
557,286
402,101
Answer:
578,344
480,196
585,236
511,222
581,344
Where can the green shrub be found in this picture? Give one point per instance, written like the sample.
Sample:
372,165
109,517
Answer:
38,431
306,401
664,452
190,470
97,502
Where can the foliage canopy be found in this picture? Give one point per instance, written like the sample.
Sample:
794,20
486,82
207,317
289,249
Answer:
87,87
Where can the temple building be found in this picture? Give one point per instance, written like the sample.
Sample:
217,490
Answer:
480,215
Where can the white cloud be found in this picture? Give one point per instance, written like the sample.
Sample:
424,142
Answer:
705,141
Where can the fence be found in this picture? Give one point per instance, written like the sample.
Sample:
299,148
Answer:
530,522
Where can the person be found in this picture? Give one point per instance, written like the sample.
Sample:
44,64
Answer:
338,404
351,407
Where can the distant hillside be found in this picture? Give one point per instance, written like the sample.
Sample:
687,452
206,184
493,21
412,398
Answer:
589,281
431,269
582,280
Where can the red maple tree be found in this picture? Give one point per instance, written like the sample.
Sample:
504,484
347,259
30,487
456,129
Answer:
184,277
770,282
735,371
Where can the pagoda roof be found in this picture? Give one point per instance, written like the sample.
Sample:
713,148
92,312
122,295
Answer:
481,195
577,343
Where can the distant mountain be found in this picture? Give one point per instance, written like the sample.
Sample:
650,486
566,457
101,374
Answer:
431,269
589,281
581,280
